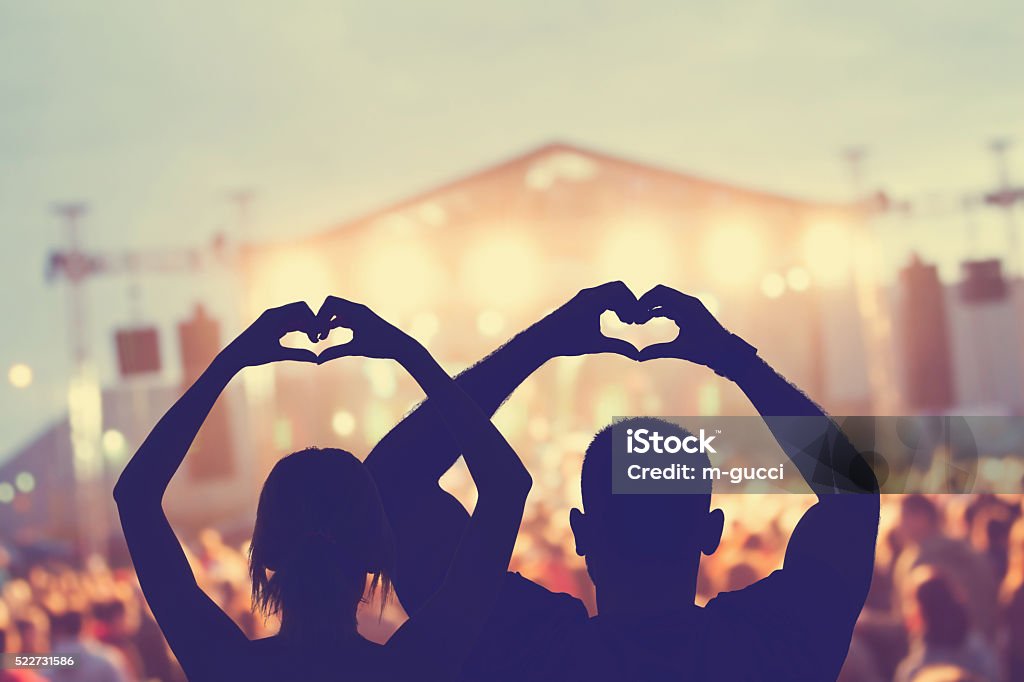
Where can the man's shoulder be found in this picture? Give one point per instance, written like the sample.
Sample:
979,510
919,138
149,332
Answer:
527,623
765,592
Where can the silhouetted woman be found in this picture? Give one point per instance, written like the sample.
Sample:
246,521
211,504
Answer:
321,534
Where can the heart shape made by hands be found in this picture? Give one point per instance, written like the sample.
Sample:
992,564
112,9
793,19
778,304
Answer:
654,330
640,335
335,337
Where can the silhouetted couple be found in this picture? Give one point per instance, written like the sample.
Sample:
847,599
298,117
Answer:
326,528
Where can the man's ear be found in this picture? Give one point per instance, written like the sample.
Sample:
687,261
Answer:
714,523
578,521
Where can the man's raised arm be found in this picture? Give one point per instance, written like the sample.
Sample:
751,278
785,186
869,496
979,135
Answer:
833,546
408,462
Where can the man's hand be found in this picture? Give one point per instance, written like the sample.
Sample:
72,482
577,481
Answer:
575,328
702,339
372,336
261,342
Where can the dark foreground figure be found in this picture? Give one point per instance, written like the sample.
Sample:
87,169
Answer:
321,533
643,552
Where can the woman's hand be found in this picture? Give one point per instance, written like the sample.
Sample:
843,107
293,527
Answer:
261,342
372,336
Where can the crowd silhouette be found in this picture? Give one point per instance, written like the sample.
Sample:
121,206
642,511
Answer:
334,536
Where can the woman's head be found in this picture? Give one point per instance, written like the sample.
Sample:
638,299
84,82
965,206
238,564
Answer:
320,531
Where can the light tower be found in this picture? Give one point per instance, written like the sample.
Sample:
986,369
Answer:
85,400
1006,197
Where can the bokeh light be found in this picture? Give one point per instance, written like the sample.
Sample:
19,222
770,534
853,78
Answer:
390,266
733,254
114,443
20,375
25,482
500,270
798,278
827,249
343,423
639,253
773,285
490,323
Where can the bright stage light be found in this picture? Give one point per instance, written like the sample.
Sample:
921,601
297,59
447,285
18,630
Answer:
773,285
114,443
20,375
343,423
733,253
638,253
501,270
798,278
402,274
25,482
827,250
293,274
490,323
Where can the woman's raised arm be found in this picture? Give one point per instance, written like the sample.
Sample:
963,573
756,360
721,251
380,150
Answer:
202,636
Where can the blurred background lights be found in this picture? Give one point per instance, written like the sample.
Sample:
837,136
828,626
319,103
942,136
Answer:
500,270
640,253
114,443
343,423
773,285
293,274
424,326
382,378
25,482
6,493
827,249
20,375
490,323
388,267
733,254
798,278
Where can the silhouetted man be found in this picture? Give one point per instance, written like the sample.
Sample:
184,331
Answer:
643,551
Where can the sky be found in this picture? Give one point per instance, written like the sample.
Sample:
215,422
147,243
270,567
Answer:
153,114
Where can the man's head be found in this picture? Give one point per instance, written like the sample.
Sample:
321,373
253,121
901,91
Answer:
626,537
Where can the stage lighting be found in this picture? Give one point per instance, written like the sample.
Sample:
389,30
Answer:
343,423
828,249
640,253
20,375
773,285
733,253
502,270
490,323
292,274
400,275
25,482
114,443
798,278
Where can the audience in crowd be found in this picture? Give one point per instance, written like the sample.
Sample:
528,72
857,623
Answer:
947,603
